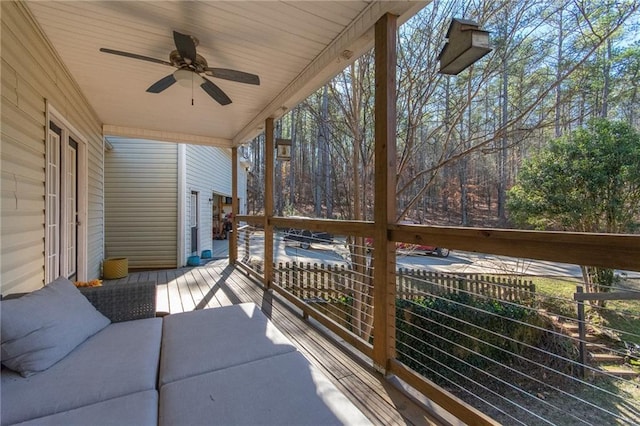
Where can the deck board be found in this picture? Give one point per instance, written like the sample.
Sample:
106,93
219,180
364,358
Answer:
173,296
219,284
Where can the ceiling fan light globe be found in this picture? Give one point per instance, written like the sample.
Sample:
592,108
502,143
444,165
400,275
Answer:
187,78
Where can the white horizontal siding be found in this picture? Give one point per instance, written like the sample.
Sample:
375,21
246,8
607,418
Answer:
32,72
208,171
141,202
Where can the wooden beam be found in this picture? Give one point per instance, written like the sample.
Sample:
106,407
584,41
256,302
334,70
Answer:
252,220
268,202
159,135
323,319
384,282
233,242
251,272
617,295
454,405
336,227
620,251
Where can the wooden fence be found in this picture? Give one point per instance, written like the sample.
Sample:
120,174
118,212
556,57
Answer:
313,282
414,283
334,282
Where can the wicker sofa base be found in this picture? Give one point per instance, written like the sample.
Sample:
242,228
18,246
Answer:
123,302
222,366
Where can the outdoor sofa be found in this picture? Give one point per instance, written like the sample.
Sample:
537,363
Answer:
66,363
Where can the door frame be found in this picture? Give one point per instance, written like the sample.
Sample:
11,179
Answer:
69,131
194,214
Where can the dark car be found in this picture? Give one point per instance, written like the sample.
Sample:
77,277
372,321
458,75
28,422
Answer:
409,248
306,237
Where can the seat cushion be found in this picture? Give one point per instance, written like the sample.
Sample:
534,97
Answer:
120,360
212,339
41,328
138,409
281,390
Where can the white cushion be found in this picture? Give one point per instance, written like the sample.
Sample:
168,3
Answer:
119,360
138,409
280,390
198,342
41,328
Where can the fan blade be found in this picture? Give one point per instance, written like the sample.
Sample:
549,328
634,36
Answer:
135,56
215,92
161,84
186,47
233,75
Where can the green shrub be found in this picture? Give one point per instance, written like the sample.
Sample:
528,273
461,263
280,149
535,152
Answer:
466,334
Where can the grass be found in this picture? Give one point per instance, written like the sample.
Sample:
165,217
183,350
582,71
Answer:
598,400
622,316
556,295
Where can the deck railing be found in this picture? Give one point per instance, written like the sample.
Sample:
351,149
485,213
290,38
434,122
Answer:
499,344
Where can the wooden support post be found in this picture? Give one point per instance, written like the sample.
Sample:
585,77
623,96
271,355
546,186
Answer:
582,333
385,192
268,202
233,241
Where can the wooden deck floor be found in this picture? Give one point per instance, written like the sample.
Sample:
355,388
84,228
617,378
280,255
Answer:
219,284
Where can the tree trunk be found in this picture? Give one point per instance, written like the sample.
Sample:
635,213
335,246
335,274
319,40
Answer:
326,158
633,103
447,127
607,80
358,247
320,188
464,207
278,175
293,162
502,153
560,58
462,173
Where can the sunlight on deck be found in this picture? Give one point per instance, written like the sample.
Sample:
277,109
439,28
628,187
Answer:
219,284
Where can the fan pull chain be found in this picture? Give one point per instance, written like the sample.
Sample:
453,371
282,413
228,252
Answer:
191,89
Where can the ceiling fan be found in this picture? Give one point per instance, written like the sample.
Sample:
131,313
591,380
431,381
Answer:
190,65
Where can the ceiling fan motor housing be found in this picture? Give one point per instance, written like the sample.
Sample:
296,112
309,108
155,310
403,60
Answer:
178,61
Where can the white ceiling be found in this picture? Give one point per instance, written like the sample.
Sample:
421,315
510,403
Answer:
293,46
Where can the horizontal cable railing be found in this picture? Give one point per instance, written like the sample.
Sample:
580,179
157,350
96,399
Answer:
332,276
509,345
509,338
250,243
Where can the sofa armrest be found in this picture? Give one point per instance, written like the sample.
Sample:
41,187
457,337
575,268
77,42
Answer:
123,302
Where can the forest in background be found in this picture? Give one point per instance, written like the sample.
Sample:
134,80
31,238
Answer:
461,139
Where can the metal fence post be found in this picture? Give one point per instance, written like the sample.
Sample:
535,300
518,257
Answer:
582,333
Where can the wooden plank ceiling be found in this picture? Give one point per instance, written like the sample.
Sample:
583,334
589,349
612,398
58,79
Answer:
293,46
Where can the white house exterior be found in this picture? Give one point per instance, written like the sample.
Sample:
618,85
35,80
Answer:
141,202
53,169
60,95
161,199
207,186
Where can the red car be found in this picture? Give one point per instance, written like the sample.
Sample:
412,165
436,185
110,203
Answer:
438,251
